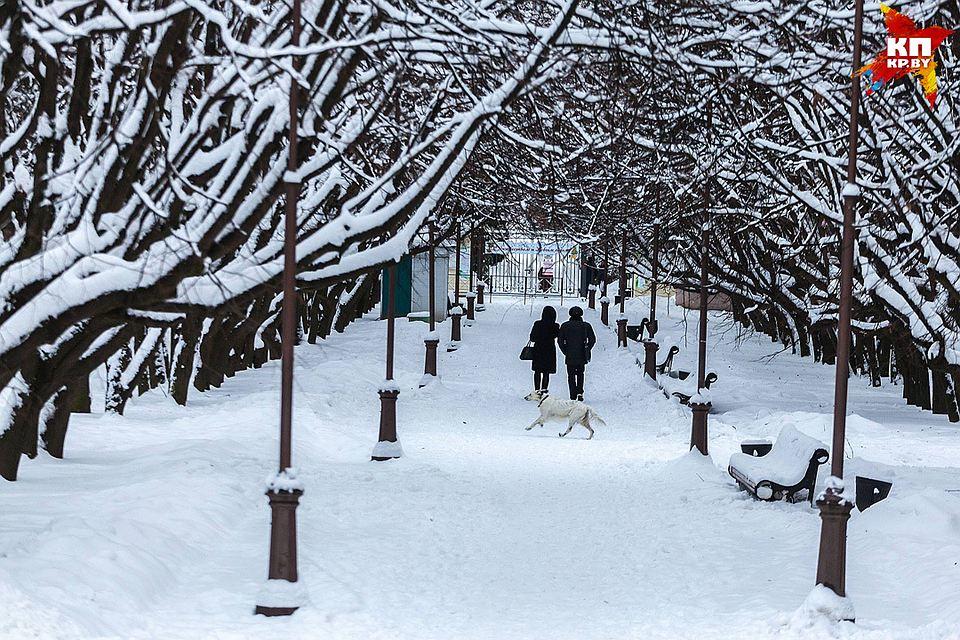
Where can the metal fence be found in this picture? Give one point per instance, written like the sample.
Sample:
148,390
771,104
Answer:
532,267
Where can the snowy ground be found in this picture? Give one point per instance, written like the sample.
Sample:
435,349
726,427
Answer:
156,526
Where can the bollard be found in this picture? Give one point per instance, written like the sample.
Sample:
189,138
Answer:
605,310
592,296
480,287
455,316
698,432
430,359
650,348
622,332
834,514
387,447
471,307
283,540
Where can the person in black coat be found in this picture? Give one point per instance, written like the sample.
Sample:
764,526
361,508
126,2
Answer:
543,335
576,340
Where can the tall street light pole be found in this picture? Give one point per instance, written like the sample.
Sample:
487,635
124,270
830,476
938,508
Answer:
604,300
650,346
456,314
388,447
432,340
280,597
834,507
654,274
701,405
622,320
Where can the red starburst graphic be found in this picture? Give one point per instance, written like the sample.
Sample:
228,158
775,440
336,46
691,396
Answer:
909,51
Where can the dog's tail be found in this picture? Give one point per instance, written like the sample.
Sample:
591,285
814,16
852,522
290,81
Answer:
595,417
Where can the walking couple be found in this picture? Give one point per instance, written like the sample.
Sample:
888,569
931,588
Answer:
575,339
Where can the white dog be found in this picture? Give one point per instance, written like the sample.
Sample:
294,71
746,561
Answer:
557,410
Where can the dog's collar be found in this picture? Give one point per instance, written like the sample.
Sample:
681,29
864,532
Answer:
539,404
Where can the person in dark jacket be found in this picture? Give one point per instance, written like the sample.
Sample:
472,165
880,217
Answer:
544,339
576,341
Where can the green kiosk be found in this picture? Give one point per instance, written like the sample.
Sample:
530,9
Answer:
412,287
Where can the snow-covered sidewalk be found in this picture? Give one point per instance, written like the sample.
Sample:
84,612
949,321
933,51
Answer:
156,526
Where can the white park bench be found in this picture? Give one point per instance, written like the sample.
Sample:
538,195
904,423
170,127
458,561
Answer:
789,468
682,385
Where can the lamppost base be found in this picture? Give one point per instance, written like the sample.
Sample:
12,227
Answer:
280,598
622,332
650,349
386,450
430,357
426,380
282,594
271,612
698,430
832,559
471,308
824,604
456,315
387,447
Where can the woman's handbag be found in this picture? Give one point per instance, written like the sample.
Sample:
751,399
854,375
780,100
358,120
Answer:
527,352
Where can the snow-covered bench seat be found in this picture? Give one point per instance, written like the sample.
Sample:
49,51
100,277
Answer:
683,386
789,468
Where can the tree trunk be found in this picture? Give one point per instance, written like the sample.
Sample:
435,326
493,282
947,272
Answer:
57,418
183,358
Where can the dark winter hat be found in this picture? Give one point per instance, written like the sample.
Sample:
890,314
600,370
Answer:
576,312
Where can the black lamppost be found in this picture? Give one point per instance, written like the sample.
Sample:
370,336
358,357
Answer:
281,596
432,340
456,314
604,300
834,507
388,447
652,325
622,320
700,406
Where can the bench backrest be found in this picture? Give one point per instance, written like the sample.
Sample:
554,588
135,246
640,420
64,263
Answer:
788,460
668,361
792,453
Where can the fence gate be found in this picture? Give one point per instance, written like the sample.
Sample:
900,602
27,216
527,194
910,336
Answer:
533,267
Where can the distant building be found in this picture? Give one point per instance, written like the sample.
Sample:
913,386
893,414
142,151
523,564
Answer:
691,300
412,288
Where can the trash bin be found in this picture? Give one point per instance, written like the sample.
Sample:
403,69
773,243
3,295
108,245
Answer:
870,491
756,448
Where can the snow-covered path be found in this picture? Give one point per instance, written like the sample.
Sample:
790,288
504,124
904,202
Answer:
156,525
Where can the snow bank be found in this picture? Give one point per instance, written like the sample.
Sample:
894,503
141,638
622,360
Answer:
282,593
387,449
822,610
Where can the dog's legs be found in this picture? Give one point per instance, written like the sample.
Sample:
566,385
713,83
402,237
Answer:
569,428
538,421
585,421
